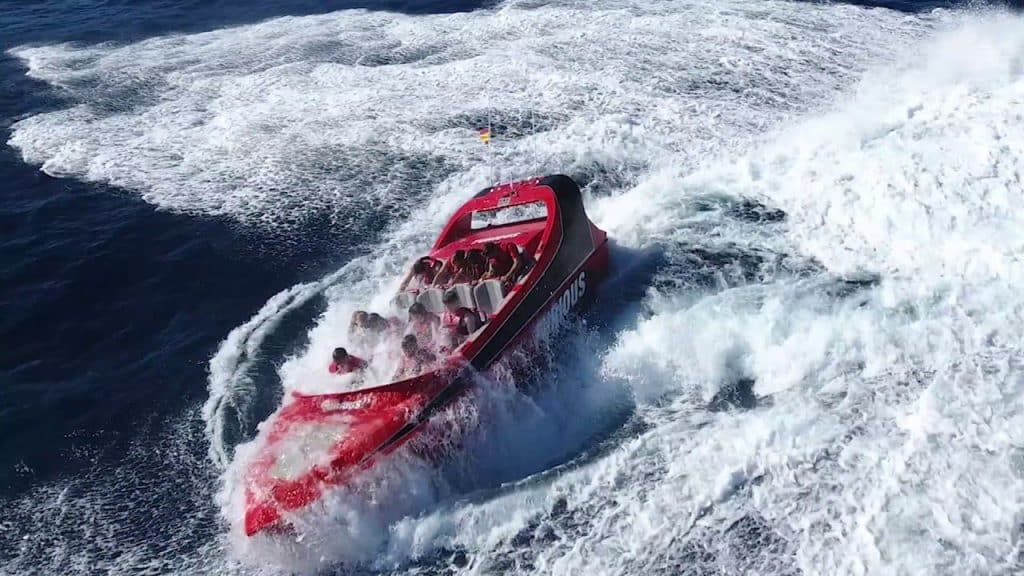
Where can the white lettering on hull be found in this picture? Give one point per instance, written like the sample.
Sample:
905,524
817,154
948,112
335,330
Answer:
555,318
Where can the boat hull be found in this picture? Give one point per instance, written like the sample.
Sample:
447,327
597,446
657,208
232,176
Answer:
354,429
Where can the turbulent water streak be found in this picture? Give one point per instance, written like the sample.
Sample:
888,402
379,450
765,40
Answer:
361,111
817,203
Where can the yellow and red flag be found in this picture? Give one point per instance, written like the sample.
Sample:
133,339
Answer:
485,135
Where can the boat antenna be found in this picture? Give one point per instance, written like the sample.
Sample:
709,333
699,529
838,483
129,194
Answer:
485,137
490,150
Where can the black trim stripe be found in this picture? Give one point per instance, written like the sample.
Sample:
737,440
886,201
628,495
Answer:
575,248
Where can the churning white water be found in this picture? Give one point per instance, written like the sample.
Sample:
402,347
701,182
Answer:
819,202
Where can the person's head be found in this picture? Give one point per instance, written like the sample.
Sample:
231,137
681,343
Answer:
451,300
459,258
490,249
417,311
376,321
421,267
340,354
410,345
359,317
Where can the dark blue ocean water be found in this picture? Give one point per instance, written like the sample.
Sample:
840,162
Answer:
111,309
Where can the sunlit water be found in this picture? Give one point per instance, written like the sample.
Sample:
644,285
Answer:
815,215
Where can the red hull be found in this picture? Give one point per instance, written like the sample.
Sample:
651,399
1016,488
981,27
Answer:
331,437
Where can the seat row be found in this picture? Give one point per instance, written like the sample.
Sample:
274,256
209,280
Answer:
486,297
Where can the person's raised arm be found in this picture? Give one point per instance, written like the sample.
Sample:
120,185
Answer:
407,279
443,273
518,262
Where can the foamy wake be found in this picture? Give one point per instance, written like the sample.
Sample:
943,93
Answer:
361,112
878,322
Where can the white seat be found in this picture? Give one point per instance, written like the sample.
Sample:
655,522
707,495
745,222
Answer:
465,295
402,301
432,299
489,296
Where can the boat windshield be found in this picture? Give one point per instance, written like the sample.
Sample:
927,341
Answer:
508,215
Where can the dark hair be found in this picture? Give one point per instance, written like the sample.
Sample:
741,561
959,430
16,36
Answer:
459,256
376,322
490,248
409,343
462,328
420,267
417,309
450,296
340,354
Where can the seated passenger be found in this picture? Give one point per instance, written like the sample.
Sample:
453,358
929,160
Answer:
422,322
458,319
358,322
423,271
415,360
506,261
494,273
395,325
345,363
469,266
377,324
444,276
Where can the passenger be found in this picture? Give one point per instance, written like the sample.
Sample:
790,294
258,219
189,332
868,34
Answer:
345,363
458,319
505,261
494,273
357,323
423,271
470,267
415,360
377,324
395,325
449,269
422,322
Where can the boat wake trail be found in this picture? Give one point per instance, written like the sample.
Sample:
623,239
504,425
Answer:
809,360
231,384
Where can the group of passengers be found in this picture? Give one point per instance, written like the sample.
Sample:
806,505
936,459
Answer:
370,328
504,262
427,336
424,337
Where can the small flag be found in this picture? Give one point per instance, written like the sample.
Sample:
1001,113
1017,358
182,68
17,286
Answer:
485,135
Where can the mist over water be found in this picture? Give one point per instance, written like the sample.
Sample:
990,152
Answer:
807,359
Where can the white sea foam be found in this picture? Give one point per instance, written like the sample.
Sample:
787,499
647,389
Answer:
890,443
356,112
888,433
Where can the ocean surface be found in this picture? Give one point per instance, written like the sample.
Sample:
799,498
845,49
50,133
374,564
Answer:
809,358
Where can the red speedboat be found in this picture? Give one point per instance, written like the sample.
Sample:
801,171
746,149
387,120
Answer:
319,441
